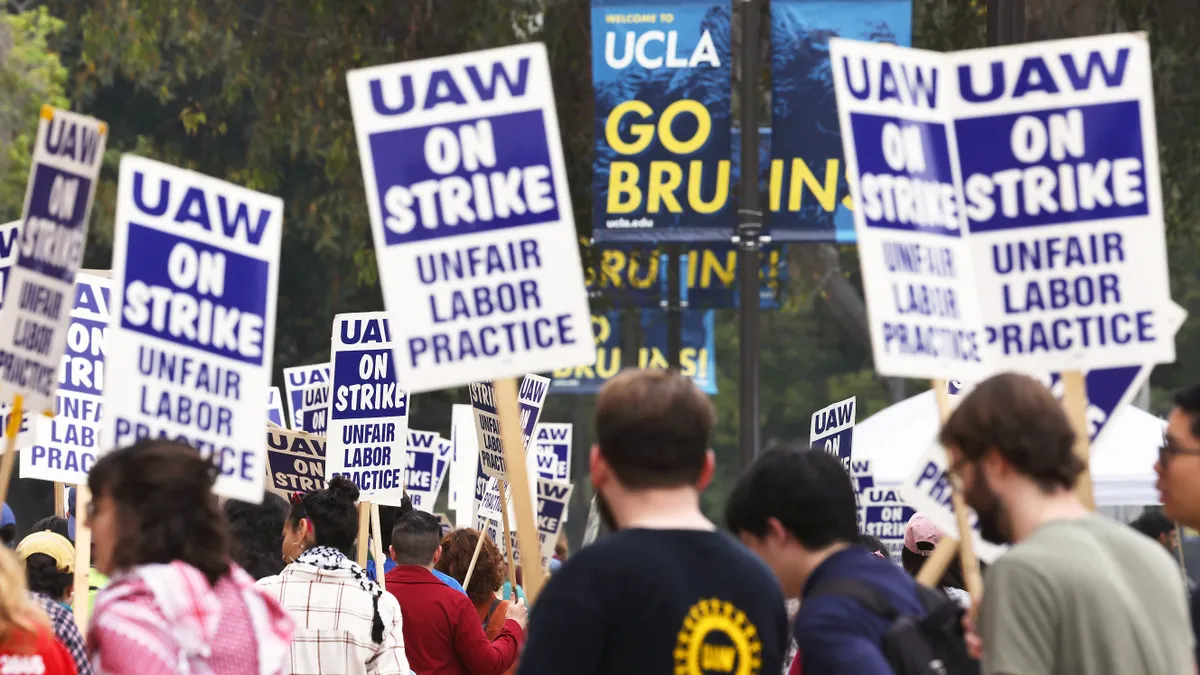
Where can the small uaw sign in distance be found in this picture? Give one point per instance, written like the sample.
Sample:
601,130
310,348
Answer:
916,261
472,219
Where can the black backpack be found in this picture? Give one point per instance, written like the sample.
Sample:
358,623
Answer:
933,644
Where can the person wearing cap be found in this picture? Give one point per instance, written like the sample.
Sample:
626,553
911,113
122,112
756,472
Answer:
921,536
49,561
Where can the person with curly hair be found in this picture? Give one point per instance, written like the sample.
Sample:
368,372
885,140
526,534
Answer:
257,531
457,549
49,560
346,624
176,602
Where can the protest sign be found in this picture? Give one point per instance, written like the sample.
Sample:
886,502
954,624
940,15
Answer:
552,450
368,417
66,443
444,521
9,233
294,381
314,408
420,473
195,274
296,461
663,101
472,218
881,511
275,407
916,261
807,197
40,284
552,500
464,465
530,399
928,490
1059,160
833,429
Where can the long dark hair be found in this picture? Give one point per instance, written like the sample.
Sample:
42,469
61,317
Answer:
257,534
165,507
43,576
332,512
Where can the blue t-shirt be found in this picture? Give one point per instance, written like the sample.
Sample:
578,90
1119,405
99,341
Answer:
389,565
837,634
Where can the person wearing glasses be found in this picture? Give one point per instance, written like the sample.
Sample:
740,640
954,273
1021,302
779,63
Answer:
1178,470
1078,592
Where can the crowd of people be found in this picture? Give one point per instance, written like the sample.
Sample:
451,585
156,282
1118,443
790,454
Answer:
185,584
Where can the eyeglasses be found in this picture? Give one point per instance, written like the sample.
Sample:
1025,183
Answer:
1171,448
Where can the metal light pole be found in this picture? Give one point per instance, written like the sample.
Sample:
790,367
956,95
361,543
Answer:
749,235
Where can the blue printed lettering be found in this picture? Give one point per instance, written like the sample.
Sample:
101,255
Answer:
879,79
195,205
444,87
74,141
1035,76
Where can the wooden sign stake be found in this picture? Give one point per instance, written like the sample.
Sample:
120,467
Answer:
1075,403
509,415
378,549
364,532
512,568
83,557
474,557
60,500
10,445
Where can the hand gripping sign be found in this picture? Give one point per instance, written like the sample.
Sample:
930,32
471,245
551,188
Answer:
368,414
471,213
195,274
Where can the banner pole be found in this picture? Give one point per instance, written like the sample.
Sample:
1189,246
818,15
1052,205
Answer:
364,532
749,233
377,536
1075,403
509,414
474,557
60,500
508,540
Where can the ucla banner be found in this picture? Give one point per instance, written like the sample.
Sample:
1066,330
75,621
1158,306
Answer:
807,195
636,276
697,359
662,77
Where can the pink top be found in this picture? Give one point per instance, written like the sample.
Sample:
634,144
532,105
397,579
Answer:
167,619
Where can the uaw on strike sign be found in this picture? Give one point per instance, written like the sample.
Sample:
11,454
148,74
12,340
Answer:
1035,165
472,218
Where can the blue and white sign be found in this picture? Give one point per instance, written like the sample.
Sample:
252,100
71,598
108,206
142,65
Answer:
296,461
552,448
275,407
531,397
833,429
881,511
66,443
916,261
368,416
426,468
314,408
1059,158
294,380
928,490
195,278
40,285
552,500
472,216
9,233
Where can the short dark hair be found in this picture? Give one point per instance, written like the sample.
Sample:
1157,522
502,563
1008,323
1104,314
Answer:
388,515
1188,400
1019,418
652,428
56,524
43,576
873,544
1153,524
165,506
416,538
257,534
333,513
808,491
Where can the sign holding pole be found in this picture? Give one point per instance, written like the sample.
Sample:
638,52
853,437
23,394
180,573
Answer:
195,274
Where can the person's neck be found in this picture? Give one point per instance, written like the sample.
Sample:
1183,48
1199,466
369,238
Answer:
808,564
660,509
1030,507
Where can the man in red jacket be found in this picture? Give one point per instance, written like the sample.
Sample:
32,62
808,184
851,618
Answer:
442,632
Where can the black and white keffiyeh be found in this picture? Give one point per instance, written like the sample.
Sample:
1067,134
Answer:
331,559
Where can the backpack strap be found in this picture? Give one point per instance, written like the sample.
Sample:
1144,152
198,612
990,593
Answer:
864,593
491,610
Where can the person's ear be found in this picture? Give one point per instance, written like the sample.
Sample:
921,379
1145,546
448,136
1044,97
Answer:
437,555
392,552
706,473
598,468
776,533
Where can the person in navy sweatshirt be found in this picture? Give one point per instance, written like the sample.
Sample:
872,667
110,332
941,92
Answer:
795,508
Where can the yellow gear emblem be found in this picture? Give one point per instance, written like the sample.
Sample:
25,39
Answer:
717,638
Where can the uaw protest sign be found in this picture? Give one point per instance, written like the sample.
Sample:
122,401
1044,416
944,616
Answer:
40,286
295,379
1056,153
195,274
66,443
471,214
368,414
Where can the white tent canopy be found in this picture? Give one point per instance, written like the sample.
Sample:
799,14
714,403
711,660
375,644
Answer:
1122,463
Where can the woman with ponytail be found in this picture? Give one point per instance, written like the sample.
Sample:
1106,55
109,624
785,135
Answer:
345,623
175,604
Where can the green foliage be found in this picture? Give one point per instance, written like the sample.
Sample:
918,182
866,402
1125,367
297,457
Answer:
31,75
